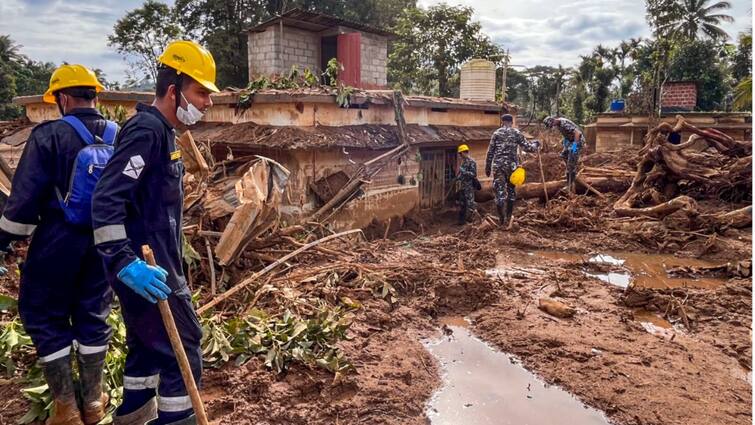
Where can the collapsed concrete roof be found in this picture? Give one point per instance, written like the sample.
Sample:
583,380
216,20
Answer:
369,136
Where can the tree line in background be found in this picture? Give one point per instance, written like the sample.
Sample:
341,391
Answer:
430,46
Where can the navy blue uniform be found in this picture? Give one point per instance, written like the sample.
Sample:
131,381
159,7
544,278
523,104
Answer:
139,200
64,295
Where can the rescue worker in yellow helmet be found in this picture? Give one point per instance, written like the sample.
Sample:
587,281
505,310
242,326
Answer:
139,201
64,296
467,178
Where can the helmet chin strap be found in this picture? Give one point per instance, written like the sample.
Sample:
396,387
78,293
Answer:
58,97
177,90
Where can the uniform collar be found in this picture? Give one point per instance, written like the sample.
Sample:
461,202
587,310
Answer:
84,112
143,107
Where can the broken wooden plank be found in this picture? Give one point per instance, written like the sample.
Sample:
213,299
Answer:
241,285
259,193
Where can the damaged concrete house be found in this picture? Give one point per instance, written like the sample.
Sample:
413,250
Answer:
321,143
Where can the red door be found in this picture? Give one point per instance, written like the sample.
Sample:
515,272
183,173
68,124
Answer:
349,55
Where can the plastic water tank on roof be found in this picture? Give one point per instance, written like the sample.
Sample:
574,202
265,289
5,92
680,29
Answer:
478,80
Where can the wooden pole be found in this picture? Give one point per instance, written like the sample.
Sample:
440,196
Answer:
178,348
225,295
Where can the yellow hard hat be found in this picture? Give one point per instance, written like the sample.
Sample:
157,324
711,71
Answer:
462,148
191,59
518,176
71,76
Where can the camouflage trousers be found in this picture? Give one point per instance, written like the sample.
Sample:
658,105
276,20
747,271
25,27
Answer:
502,187
466,199
571,160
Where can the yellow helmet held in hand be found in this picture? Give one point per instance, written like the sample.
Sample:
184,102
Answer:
518,176
462,148
67,76
190,58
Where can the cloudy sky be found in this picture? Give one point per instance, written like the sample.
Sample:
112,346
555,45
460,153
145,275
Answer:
538,32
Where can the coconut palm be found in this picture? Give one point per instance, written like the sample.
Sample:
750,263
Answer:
9,50
691,18
743,94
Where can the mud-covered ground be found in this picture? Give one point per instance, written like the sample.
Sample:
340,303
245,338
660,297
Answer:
603,354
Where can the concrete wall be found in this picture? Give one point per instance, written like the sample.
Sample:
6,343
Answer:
374,57
615,131
263,51
271,53
330,114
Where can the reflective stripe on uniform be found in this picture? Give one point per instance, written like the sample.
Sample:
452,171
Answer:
109,233
91,349
56,355
140,382
173,404
16,228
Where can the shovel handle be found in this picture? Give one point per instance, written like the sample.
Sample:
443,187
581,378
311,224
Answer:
178,348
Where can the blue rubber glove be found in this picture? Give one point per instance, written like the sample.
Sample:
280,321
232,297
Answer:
574,148
147,281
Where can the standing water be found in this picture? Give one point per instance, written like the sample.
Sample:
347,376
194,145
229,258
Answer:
484,386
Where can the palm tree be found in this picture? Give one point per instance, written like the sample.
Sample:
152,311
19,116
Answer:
690,18
743,94
9,50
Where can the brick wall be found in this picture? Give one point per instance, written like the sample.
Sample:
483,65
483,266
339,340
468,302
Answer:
374,56
681,95
270,54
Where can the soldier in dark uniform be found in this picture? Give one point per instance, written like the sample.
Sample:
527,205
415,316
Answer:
502,160
139,200
572,146
467,177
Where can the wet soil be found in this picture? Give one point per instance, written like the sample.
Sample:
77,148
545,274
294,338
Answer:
605,356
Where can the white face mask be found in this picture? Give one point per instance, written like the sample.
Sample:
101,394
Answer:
189,115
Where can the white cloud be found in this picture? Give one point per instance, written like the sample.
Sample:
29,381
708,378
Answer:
538,32
73,31
554,32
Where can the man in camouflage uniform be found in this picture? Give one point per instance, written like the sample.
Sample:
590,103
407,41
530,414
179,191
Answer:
466,177
502,160
572,144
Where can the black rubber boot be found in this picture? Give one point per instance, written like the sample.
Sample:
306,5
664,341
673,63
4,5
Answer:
509,212
190,420
59,379
140,416
501,214
90,376
462,216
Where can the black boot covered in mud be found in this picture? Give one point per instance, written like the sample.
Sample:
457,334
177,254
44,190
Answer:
59,378
140,416
501,214
462,216
90,376
509,213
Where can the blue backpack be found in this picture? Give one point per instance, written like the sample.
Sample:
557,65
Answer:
87,169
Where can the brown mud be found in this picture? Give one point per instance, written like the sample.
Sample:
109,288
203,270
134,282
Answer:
679,356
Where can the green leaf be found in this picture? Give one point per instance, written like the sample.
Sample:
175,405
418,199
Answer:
8,303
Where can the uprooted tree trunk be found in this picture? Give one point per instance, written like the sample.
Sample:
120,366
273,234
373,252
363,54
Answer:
709,165
535,190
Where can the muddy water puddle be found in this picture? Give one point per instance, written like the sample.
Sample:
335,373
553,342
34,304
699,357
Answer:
484,386
641,270
654,324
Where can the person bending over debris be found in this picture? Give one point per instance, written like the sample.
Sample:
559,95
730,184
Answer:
64,296
468,180
138,201
572,143
502,160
